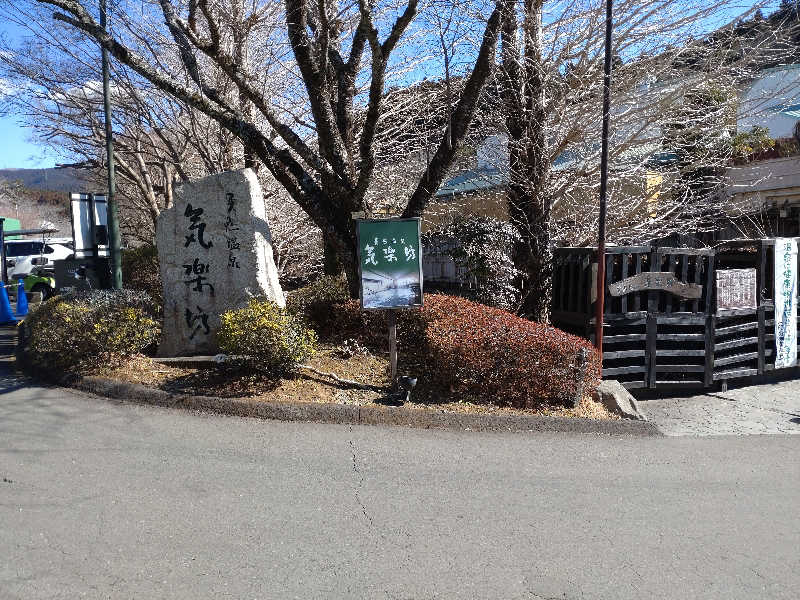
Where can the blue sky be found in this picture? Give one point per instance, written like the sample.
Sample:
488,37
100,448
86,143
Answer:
16,149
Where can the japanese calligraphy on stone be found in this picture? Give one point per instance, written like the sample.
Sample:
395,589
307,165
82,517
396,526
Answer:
215,252
232,231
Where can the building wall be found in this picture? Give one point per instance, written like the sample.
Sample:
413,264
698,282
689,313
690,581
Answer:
769,191
443,209
768,183
764,103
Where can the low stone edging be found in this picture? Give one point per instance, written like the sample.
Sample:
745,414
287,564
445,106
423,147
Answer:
359,415
613,395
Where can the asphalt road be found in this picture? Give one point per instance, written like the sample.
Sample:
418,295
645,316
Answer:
107,500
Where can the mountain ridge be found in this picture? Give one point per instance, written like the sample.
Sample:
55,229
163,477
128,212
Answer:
52,180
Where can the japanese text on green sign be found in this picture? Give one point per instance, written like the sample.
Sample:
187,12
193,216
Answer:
390,262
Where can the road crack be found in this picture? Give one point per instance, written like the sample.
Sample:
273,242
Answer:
360,480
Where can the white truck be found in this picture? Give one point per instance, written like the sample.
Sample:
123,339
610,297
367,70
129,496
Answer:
23,256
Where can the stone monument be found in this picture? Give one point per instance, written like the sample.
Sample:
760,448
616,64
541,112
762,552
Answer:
215,253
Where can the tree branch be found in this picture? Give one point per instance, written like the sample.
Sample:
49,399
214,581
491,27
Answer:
462,117
330,141
281,163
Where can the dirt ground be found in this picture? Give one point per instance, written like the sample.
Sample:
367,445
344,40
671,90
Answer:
347,361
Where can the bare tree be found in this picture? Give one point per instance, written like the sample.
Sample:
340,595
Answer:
551,79
30,207
56,91
159,141
317,138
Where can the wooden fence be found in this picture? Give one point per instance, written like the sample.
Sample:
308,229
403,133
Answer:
653,337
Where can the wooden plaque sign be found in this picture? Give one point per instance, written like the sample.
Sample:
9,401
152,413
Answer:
736,289
667,282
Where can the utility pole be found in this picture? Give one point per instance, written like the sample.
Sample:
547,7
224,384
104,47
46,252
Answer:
111,205
601,234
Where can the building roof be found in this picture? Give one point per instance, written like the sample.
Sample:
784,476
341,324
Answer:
475,180
792,110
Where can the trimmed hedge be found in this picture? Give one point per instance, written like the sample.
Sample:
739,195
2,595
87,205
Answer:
487,354
494,355
140,271
314,302
265,337
80,331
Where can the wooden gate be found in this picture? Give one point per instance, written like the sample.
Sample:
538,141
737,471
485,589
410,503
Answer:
654,335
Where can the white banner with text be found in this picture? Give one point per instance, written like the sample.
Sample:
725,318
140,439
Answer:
785,303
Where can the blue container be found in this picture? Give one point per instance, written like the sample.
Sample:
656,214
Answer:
22,299
6,316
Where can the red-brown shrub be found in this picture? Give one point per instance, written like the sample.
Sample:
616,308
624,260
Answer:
486,353
493,355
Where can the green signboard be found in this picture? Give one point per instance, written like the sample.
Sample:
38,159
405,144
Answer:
12,225
390,259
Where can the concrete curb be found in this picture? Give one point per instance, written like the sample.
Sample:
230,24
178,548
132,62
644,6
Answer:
189,362
358,415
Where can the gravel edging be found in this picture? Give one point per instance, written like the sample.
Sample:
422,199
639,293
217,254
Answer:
358,415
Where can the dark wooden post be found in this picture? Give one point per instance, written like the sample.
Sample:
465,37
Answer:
650,354
711,322
601,236
710,333
637,297
683,304
761,333
624,265
652,322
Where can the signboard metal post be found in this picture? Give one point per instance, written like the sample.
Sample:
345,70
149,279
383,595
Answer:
391,317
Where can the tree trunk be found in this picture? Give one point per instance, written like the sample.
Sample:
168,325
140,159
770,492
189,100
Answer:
529,160
340,256
330,176
533,254
331,262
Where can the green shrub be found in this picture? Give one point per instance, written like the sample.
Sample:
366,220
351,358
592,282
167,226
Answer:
348,321
77,332
140,271
314,302
749,143
487,354
265,336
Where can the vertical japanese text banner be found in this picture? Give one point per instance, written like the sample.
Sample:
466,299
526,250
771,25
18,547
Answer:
785,303
390,260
